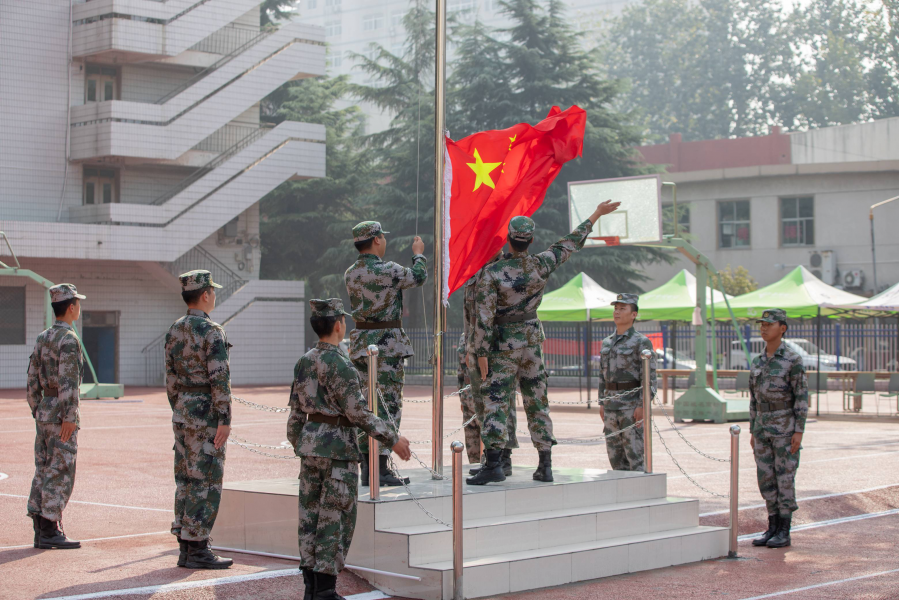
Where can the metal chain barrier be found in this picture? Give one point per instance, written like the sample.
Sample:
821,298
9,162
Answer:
681,469
249,446
686,441
260,406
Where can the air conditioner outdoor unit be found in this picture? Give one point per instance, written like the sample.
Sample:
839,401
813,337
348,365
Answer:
853,279
823,265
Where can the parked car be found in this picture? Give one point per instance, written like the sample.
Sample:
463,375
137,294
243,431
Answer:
804,348
683,361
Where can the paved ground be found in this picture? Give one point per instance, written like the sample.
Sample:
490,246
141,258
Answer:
121,507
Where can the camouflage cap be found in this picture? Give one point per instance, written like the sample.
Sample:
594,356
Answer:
521,228
366,230
626,299
196,280
773,315
332,307
64,291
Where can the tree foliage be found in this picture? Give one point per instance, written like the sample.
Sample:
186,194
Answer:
736,282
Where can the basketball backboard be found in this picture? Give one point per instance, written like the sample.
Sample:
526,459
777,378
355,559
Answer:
639,218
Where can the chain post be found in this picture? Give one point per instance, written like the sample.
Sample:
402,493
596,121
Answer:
734,489
458,570
647,413
374,478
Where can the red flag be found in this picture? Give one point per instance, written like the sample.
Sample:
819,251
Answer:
493,176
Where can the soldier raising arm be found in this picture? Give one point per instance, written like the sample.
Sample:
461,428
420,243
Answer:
326,407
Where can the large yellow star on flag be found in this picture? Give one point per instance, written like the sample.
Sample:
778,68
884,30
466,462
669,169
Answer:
482,171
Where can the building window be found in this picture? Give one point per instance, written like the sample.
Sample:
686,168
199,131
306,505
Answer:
100,186
396,19
333,28
372,22
797,221
733,224
230,228
12,316
332,6
683,219
335,60
101,84
310,4
461,5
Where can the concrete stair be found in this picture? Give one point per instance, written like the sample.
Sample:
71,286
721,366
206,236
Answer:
522,535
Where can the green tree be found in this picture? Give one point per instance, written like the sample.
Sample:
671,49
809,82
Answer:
736,282
276,10
706,69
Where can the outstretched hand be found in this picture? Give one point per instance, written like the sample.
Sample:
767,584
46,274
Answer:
604,208
418,246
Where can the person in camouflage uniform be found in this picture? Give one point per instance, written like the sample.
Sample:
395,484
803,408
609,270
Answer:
198,385
469,410
326,407
53,391
469,314
620,386
508,338
778,407
375,288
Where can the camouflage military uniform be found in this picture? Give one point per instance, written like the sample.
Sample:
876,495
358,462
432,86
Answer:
621,362
470,317
198,384
54,381
469,409
508,332
778,407
375,288
326,385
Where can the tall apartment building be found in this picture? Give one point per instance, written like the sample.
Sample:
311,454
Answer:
132,151
352,26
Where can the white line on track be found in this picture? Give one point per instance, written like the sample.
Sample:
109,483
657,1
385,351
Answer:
821,497
820,585
829,522
189,585
165,510
3,476
116,537
807,462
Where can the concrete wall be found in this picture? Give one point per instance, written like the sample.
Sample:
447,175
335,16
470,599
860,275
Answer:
877,140
842,201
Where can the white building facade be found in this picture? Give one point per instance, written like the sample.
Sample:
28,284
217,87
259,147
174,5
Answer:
774,202
133,151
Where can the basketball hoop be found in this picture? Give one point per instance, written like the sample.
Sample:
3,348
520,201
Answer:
610,240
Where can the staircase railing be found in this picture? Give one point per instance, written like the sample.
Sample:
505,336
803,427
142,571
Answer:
253,37
224,135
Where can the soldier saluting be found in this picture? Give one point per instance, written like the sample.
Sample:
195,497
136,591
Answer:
508,341
621,376
326,407
778,407
375,288
198,384
54,388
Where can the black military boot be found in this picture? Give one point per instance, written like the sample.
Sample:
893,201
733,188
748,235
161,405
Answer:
199,556
544,470
773,522
491,472
182,552
474,470
51,536
36,521
308,583
507,462
387,477
781,539
363,470
326,587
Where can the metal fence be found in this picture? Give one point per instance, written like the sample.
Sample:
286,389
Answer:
847,346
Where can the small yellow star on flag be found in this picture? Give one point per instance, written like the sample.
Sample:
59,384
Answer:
482,171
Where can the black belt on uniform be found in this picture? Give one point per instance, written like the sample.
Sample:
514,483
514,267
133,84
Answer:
515,318
196,389
622,385
382,325
340,421
770,406
51,392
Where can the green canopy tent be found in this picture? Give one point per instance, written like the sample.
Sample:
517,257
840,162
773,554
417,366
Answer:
801,295
577,301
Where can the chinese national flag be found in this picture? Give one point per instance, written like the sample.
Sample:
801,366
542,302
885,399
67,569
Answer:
493,176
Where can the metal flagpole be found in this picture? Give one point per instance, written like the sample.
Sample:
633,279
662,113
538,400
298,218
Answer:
439,310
